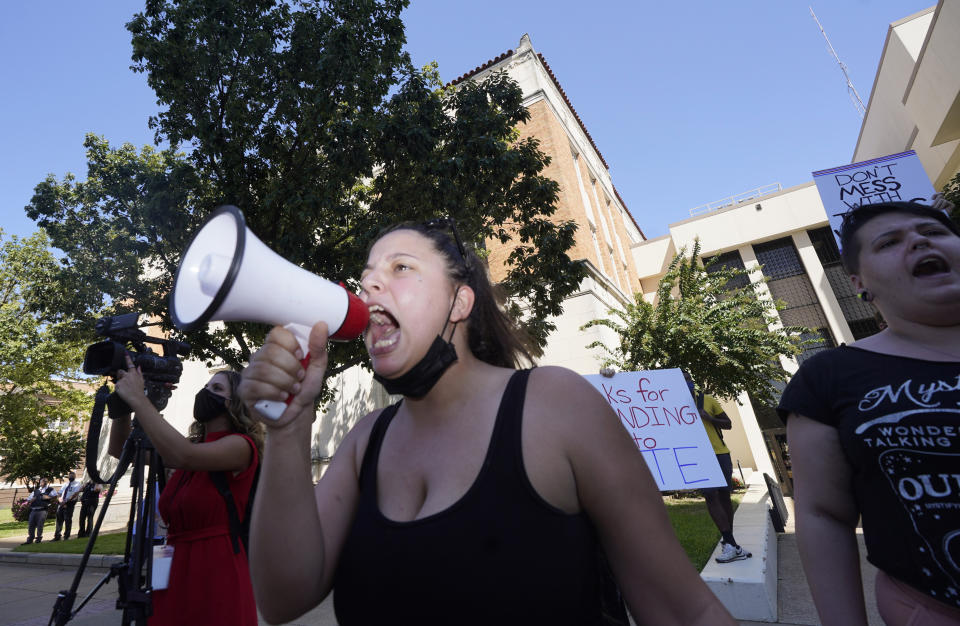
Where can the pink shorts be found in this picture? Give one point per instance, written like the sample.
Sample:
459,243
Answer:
902,605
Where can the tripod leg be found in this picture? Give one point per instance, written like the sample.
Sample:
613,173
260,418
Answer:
134,595
133,599
63,607
137,601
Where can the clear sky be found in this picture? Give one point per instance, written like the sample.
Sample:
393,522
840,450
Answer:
688,102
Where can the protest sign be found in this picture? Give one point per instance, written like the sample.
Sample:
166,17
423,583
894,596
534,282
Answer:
895,177
656,408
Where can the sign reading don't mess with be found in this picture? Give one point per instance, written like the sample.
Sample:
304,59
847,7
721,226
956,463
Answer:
893,178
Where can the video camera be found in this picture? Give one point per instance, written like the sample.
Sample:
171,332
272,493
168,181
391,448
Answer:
106,358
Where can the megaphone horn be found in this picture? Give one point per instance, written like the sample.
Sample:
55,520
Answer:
228,274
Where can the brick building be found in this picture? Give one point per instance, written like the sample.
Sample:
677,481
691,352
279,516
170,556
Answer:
607,231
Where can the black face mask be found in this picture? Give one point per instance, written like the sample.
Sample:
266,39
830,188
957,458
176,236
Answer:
208,405
424,375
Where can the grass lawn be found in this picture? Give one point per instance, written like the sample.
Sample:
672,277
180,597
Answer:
696,531
9,527
107,543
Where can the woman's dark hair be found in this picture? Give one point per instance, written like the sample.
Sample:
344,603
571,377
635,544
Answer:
492,335
239,417
854,220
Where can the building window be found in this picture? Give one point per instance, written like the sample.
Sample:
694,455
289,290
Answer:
596,248
729,261
860,316
789,283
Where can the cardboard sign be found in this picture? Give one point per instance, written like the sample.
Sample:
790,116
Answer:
895,177
656,408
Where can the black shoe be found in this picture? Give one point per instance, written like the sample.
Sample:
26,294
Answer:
38,540
55,539
27,542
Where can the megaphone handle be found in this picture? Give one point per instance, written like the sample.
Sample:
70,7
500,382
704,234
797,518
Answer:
273,409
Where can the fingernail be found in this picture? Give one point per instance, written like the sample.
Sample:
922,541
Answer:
299,354
301,373
296,388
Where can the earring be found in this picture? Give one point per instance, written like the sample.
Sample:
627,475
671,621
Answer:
865,295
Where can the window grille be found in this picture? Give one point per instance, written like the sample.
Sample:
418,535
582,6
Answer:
730,261
860,315
788,283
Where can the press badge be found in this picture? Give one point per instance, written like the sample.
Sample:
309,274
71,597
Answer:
162,561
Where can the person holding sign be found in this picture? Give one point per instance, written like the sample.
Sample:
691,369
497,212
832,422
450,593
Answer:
718,501
482,497
873,427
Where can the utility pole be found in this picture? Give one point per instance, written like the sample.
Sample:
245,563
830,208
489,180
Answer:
851,90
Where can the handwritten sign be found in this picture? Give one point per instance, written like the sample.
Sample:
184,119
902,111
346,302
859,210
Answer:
656,408
891,178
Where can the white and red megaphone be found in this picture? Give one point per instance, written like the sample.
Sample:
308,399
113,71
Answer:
228,274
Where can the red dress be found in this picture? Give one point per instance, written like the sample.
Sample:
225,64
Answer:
209,584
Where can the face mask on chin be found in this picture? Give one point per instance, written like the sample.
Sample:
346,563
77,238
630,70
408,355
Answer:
424,375
421,378
208,405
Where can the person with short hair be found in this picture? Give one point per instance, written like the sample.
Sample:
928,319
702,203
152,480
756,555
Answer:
68,501
89,500
486,495
39,501
873,427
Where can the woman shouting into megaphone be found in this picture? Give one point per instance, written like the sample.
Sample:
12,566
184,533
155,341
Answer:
486,495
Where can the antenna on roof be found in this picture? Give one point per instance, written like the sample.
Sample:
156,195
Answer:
851,90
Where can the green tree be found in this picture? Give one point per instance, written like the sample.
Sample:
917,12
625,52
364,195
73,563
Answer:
47,454
951,191
285,110
719,334
39,363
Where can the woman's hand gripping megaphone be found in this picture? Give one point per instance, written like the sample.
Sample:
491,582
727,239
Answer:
286,375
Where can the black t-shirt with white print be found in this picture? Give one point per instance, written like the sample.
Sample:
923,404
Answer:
898,420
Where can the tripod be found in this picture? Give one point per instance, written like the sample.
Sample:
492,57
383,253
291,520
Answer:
134,572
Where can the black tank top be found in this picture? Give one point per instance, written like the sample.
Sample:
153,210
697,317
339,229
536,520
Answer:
499,555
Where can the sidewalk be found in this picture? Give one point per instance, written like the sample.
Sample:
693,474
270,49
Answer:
795,604
31,581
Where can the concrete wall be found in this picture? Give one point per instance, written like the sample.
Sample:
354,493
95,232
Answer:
915,101
567,345
779,214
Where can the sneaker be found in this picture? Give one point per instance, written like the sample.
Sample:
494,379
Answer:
732,553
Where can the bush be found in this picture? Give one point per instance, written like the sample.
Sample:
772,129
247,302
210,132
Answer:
21,510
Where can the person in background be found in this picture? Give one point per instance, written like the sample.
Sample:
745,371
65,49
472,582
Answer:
873,427
482,497
209,576
718,501
68,501
89,499
39,501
